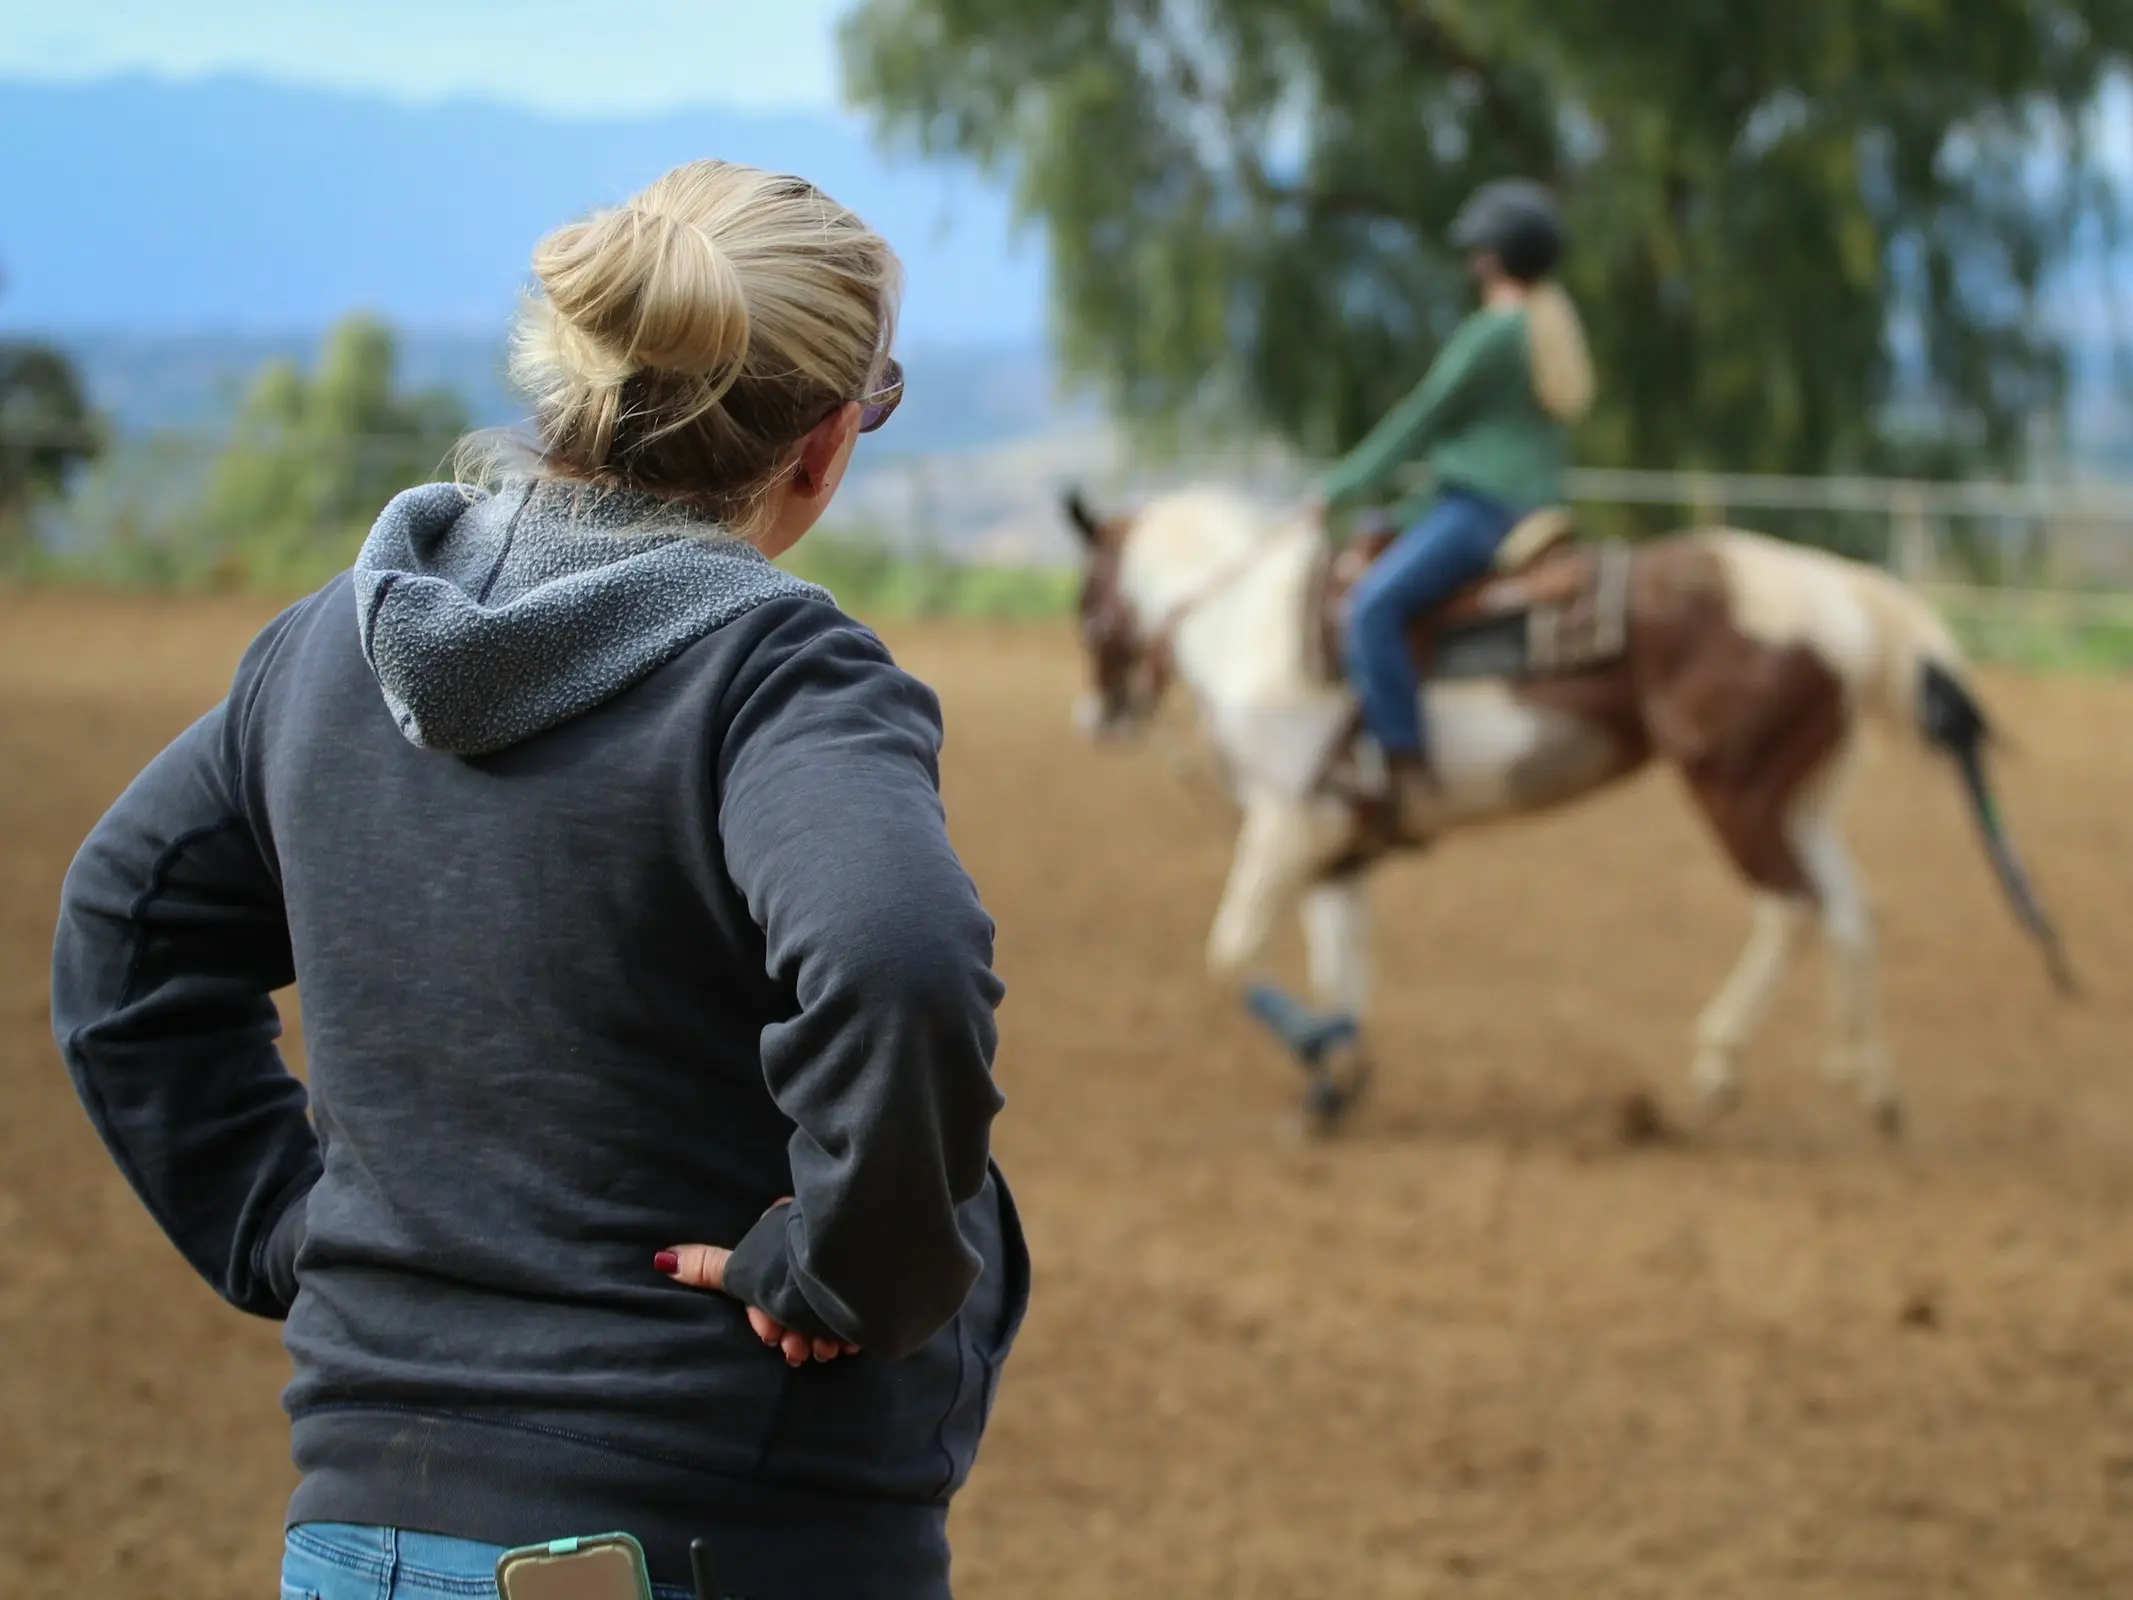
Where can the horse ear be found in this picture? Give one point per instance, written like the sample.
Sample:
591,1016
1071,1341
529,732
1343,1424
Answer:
1078,513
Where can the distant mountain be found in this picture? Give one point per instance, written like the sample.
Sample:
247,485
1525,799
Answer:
957,396
193,382
248,208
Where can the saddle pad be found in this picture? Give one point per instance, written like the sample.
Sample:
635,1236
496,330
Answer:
1566,633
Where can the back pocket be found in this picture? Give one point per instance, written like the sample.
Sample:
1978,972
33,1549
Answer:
321,1562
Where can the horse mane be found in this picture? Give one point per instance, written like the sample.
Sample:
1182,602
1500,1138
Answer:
1200,526
1211,550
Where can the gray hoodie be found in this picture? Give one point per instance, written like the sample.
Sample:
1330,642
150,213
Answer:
611,865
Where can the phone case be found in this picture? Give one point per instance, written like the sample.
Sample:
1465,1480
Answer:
598,1566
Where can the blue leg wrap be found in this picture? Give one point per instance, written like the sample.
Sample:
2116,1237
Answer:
1310,1035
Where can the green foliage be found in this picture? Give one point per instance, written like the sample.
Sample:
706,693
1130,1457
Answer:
46,431
1245,201
872,580
315,457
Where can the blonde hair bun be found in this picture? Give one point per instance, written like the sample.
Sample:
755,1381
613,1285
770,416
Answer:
646,289
684,342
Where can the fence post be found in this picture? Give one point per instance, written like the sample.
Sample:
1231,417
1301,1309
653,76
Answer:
1911,547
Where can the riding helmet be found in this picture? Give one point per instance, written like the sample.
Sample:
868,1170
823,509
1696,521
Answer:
1515,220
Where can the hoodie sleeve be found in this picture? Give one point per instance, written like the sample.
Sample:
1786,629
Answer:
171,941
831,820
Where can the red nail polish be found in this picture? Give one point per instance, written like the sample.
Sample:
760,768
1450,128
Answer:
666,1261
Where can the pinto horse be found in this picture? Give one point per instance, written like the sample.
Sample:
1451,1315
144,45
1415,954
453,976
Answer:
1745,663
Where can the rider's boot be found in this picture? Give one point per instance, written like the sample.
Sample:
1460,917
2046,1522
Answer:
1400,815
1415,797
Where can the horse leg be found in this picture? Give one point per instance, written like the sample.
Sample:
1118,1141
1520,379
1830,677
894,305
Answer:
1271,864
1856,1048
1336,922
1336,925
1856,1051
1280,850
1731,1018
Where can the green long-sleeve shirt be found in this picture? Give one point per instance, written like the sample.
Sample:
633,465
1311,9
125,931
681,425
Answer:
1474,419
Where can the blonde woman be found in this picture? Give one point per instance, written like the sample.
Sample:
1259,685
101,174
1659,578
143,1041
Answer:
1491,420
610,862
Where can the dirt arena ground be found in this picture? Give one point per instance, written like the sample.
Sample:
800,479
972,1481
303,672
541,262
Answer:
1479,1347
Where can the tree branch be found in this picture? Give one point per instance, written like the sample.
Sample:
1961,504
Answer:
1428,35
1351,204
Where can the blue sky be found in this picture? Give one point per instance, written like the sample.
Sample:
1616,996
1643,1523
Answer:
562,56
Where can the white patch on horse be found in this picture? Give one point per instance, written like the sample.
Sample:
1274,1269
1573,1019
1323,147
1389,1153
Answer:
1480,735
1283,748
1866,628
1786,594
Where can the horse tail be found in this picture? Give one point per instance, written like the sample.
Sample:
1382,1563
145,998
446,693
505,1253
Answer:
1951,722
1920,685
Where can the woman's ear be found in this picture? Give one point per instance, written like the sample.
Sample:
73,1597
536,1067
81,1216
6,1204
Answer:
803,489
824,451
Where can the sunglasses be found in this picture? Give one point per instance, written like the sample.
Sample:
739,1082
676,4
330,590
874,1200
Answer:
878,407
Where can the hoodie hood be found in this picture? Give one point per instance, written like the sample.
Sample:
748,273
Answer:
488,618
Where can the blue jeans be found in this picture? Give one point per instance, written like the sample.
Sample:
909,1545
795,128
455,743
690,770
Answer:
1448,549
340,1561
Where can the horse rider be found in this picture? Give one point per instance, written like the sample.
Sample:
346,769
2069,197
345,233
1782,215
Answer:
1491,420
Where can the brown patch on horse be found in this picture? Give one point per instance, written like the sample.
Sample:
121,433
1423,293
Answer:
1749,723
1127,670
1604,697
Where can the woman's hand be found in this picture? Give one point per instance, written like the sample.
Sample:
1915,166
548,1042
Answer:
703,1266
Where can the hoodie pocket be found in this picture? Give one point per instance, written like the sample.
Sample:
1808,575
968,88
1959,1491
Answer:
1014,1254
986,1331
909,1429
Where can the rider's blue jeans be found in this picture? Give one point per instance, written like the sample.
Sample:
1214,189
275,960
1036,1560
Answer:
1448,549
340,1561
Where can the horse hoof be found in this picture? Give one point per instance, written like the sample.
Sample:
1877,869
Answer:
1717,1089
1326,1106
1888,1120
1640,1121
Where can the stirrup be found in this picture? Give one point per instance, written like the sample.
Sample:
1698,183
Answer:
1380,826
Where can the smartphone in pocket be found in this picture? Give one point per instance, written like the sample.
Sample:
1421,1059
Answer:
600,1566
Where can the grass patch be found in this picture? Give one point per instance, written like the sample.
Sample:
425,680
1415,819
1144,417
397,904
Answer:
2049,647
870,579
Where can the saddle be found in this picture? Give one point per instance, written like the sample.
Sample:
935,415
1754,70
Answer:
1551,604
